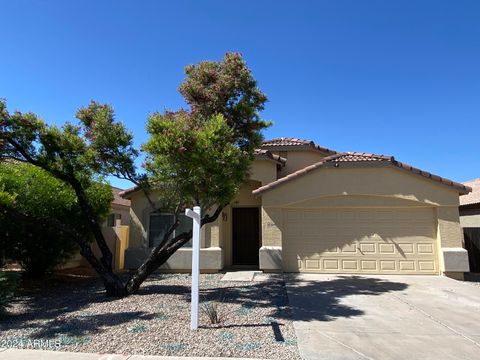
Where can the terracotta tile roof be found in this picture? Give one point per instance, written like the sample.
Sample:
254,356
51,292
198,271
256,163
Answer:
283,141
266,154
117,197
359,156
295,143
128,191
474,196
355,157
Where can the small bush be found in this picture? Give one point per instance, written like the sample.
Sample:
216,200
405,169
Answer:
8,284
211,310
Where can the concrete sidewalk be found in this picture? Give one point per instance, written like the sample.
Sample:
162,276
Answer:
26,354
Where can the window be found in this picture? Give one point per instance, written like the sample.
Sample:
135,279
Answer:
160,223
112,218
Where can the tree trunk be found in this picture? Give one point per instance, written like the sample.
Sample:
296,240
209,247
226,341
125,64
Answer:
162,253
114,286
107,258
155,260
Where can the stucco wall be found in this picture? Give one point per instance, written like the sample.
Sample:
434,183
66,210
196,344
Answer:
298,159
449,230
272,225
379,181
139,220
470,217
264,171
122,210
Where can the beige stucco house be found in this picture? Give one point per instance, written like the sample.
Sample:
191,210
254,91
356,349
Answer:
470,222
311,209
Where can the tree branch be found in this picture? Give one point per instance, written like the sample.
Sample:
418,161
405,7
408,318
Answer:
159,255
30,159
211,218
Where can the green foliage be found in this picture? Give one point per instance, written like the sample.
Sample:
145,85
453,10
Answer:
211,310
194,162
98,145
202,156
8,284
109,143
33,191
227,87
79,156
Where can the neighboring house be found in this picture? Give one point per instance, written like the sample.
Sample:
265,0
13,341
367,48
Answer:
114,229
120,209
311,209
470,222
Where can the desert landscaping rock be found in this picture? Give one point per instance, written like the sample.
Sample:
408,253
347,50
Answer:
76,316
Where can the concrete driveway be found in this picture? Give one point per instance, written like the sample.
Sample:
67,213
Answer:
385,317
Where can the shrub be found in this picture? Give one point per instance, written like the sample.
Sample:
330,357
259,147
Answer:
40,248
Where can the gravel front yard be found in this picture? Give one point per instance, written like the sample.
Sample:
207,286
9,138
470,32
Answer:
74,315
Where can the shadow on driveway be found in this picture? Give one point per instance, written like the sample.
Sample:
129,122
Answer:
321,299
48,309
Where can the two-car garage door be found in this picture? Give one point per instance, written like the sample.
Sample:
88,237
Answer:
360,240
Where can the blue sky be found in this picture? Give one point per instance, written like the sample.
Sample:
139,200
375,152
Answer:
399,78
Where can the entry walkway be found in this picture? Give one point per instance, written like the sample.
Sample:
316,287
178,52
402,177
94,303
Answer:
385,317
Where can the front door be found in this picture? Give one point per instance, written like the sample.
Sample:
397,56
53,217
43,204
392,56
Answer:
246,236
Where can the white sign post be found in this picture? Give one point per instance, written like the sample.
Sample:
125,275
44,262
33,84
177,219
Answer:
195,214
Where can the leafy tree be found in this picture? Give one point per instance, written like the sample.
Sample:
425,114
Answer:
38,246
198,156
76,155
202,156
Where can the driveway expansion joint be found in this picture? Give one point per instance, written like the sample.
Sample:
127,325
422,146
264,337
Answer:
433,318
347,346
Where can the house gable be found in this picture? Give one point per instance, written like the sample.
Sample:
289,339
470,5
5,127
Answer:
381,180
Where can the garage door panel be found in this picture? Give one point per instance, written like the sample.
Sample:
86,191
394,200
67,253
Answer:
342,265
388,265
361,241
386,248
425,248
349,249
